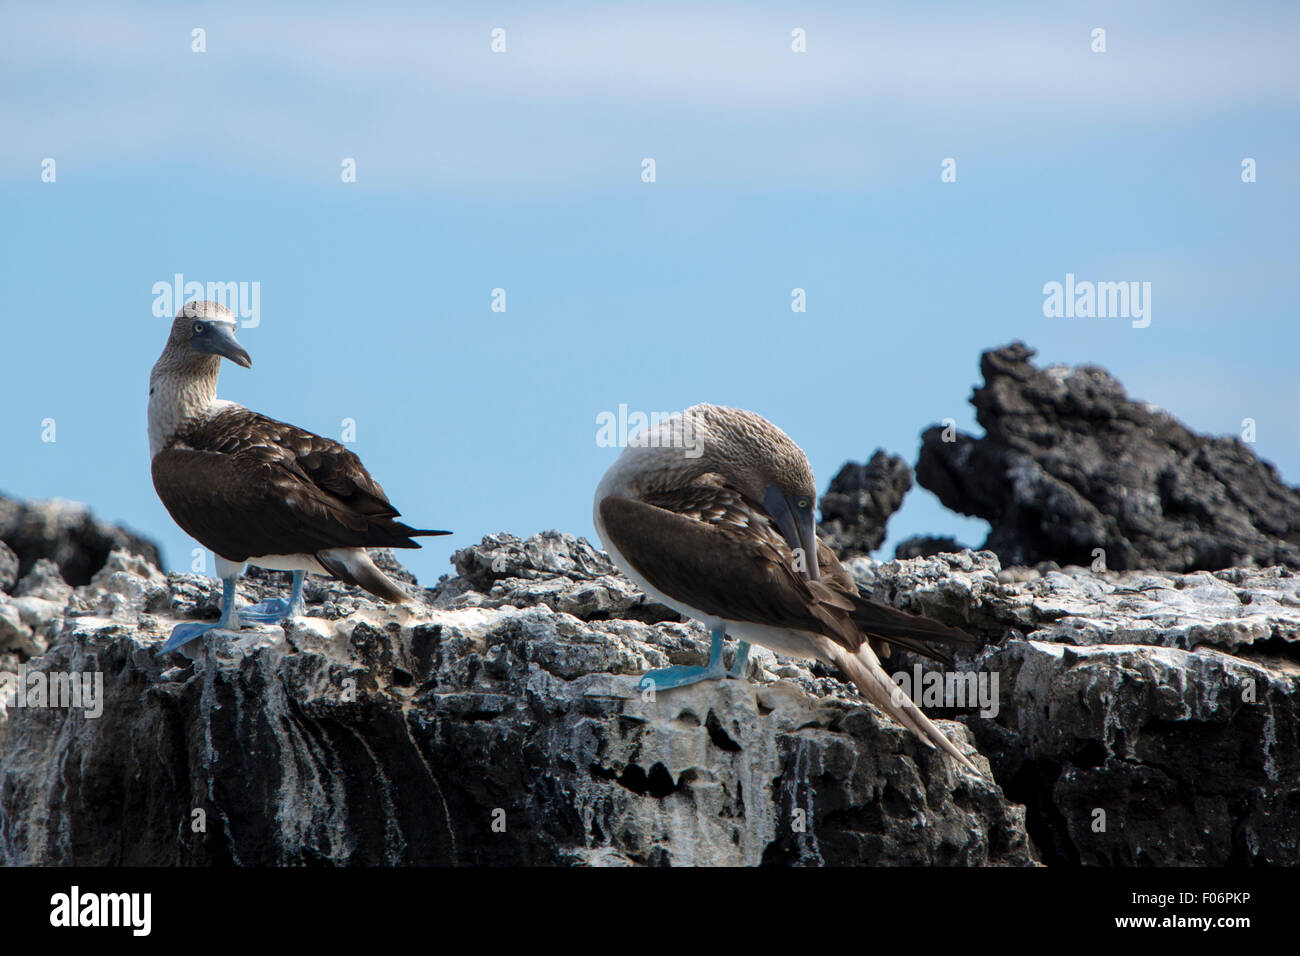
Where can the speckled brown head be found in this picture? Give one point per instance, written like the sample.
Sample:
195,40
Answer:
763,463
752,452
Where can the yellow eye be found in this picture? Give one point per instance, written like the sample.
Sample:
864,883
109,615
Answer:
802,503
198,327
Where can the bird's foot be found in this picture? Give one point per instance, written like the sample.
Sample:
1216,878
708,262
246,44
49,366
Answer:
681,676
740,666
270,611
184,633
275,610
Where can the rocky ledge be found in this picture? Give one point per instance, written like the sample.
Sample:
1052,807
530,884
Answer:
1071,469
1140,717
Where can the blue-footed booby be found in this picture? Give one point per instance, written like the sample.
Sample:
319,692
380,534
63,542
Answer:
254,490
711,512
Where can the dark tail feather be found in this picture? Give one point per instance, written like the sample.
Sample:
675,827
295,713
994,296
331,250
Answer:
887,625
394,534
407,531
354,566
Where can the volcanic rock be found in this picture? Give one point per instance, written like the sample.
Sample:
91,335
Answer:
1074,471
859,502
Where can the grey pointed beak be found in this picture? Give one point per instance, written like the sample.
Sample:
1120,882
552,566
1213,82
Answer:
796,525
806,524
220,340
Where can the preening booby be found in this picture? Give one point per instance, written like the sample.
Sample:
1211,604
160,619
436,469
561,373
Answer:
711,513
254,490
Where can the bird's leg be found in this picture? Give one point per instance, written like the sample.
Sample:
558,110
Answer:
740,666
682,675
275,610
184,633
297,603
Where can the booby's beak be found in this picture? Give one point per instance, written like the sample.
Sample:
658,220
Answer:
219,339
796,525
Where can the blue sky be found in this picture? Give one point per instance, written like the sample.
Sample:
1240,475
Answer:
522,170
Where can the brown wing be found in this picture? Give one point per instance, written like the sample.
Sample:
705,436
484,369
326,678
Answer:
888,625
710,548
323,462
245,485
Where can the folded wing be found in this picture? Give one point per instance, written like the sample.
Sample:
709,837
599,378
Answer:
708,547
246,485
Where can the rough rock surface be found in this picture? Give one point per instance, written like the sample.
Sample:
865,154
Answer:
1069,463
859,502
8,568
1169,701
496,724
66,533
1182,757
926,546
498,721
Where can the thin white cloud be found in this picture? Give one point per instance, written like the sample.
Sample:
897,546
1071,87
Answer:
580,89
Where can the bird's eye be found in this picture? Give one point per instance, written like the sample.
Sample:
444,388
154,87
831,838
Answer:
802,503
198,327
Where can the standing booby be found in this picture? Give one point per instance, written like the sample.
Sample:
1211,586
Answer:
254,490
711,513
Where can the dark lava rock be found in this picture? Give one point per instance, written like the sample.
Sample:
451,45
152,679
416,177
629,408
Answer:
1070,464
1159,759
860,501
8,568
502,724
477,727
925,546
69,535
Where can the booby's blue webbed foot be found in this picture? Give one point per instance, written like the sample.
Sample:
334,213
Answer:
275,610
684,675
681,676
187,631
740,666
270,611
